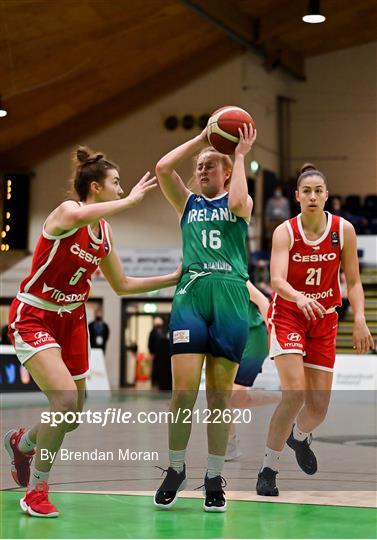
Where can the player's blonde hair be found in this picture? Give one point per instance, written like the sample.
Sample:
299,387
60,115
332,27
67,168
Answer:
226,162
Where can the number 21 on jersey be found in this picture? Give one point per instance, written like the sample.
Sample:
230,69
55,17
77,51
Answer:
314,276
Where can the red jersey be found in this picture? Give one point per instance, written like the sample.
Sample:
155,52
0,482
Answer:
313,267
62,267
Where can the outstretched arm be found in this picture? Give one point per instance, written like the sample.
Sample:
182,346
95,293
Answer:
69,215
258,298
362,339
111,267
171,183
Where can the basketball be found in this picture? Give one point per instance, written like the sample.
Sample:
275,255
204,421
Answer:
222,128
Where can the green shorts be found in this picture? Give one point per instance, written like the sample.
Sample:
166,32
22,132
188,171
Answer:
210,316
254,354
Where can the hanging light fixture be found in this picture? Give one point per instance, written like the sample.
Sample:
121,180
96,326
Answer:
3,112
314,14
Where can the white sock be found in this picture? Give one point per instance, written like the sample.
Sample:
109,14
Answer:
36,477
215,465
299,435
233,438
271,459
25,444
177,459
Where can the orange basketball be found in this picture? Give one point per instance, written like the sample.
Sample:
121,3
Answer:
222,128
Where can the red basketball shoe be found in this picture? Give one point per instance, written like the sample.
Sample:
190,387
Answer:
36,503
21,461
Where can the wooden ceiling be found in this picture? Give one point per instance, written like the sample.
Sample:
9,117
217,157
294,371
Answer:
68,67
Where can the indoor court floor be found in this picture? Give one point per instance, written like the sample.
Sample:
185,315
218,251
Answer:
113,498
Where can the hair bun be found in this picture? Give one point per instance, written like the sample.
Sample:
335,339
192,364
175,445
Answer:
82,154
307,167
85,156
94,158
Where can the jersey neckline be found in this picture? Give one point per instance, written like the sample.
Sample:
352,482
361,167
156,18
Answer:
93,236
90,231
213,198
324,235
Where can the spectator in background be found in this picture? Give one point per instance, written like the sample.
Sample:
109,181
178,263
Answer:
156,335
277,210
359,222
262,278
98,331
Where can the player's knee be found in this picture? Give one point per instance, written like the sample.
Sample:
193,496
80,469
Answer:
218,399
72,427
64,401
317,410
294,397
184,398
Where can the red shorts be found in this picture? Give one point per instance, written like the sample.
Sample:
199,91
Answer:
32,330
290,332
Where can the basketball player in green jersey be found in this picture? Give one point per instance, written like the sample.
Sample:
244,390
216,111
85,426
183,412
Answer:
210,309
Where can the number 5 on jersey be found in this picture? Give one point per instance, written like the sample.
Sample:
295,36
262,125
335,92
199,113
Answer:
77,275
212,238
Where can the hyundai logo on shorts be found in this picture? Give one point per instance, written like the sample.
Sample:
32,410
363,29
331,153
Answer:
41,335
294,337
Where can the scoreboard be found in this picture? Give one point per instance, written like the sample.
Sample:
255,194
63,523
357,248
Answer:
14,211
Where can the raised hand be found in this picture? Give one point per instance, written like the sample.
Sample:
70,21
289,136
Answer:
139,191
247,135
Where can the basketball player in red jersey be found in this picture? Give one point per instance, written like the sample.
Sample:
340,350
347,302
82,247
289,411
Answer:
47,321
307,252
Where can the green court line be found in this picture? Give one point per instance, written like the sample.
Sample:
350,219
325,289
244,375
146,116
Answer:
126,516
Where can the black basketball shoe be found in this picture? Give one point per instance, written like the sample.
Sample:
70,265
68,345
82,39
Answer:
304,455
167,494
215,500
266,484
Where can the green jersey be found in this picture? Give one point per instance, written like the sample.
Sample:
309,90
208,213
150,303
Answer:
214,239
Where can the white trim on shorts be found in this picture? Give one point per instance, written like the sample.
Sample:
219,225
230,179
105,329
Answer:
24,351
322,368
37,350
275,348
82,376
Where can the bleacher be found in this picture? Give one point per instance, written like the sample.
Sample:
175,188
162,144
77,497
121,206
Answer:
344,339
360,211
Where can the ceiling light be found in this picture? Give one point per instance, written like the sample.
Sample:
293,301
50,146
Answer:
254,166
314,13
